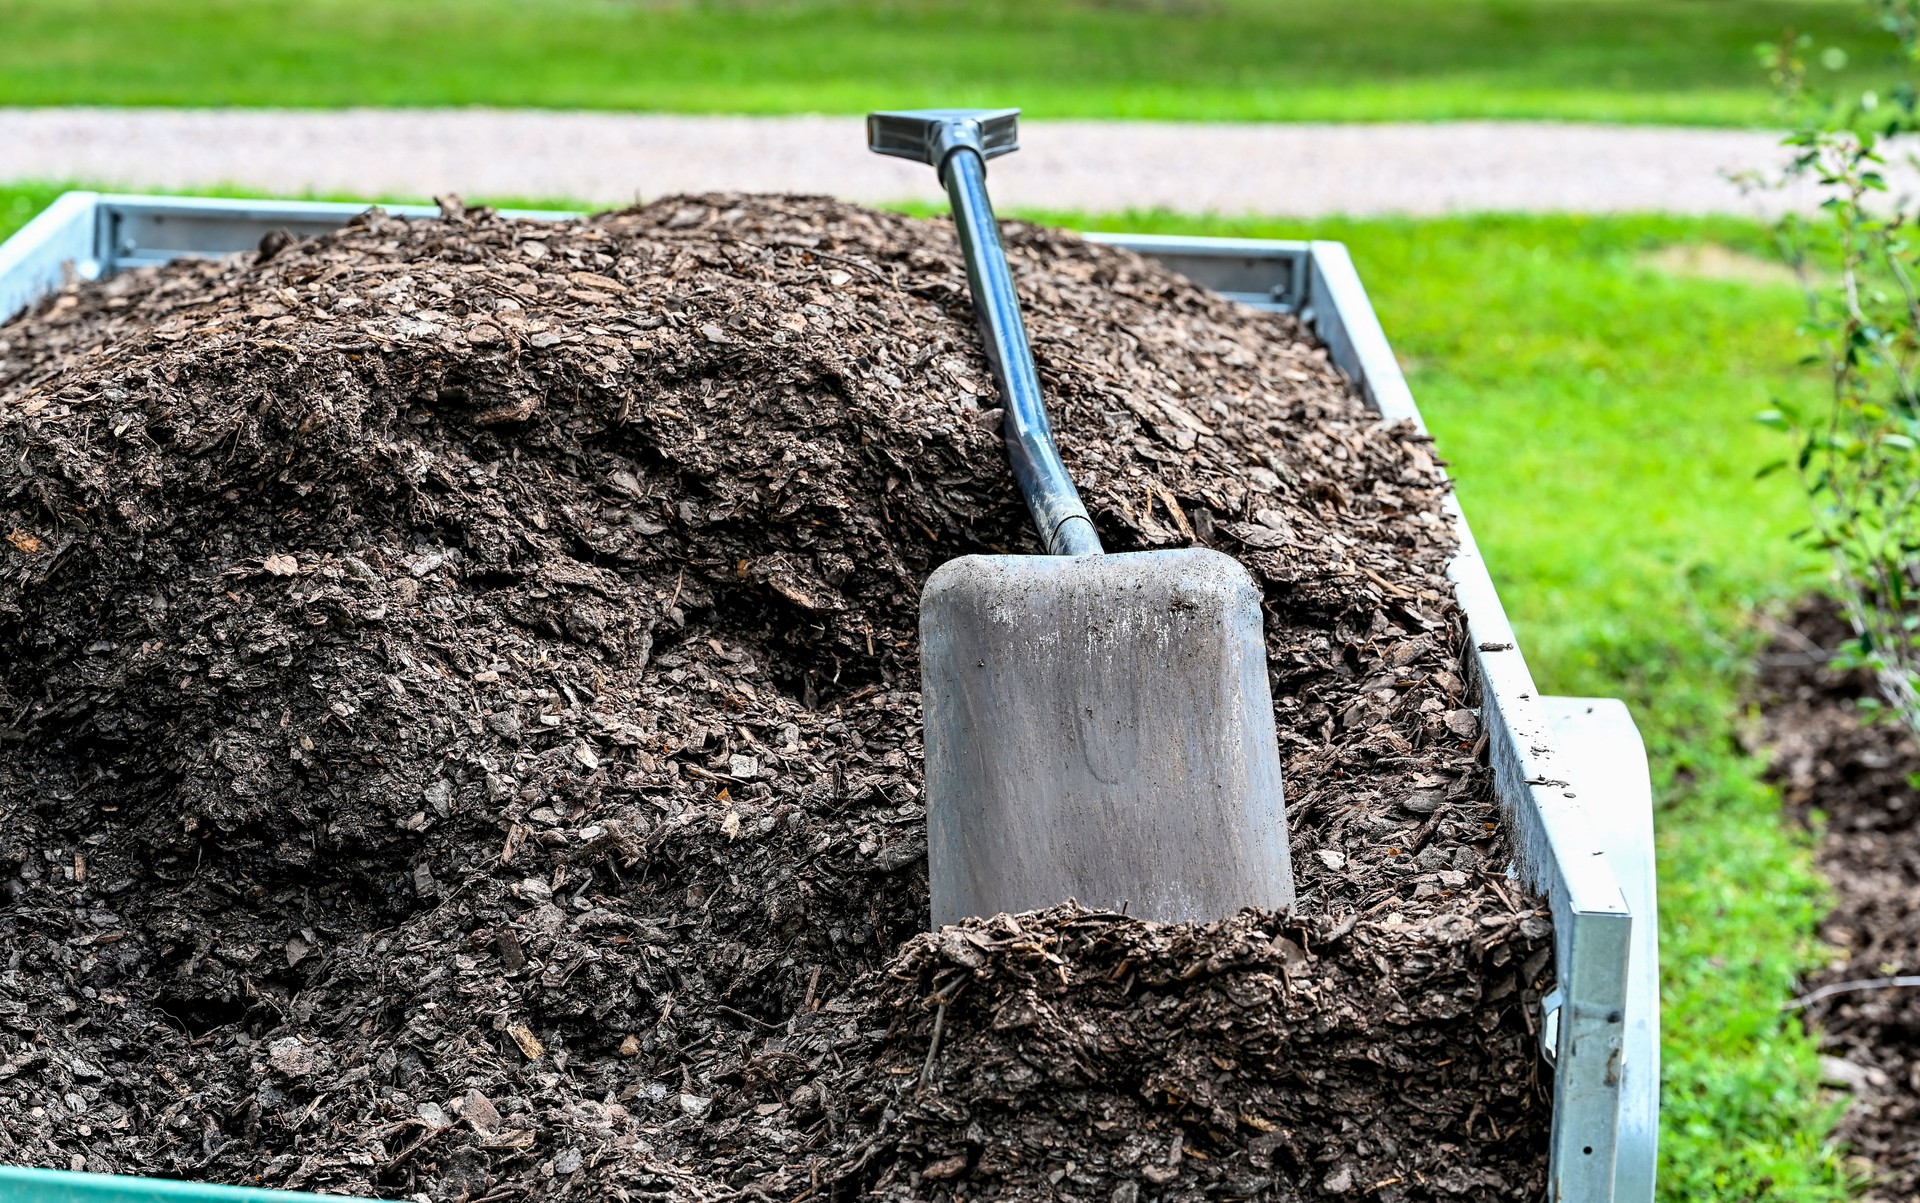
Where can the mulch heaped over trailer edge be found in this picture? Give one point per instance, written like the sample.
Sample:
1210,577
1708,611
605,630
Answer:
460,698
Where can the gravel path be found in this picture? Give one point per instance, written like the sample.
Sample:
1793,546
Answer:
607,158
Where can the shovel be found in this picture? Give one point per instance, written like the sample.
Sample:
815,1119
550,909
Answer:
1098,727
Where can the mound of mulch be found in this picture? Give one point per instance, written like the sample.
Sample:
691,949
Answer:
1832,759
459,734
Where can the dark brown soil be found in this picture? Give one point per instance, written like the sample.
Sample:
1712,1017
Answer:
1831,759
458,734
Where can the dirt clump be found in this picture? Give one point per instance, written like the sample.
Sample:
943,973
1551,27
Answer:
459,734
1856,769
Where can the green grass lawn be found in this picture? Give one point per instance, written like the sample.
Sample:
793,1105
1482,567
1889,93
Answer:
1344,60
1597,412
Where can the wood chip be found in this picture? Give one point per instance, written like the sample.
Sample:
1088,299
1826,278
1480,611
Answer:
529,1044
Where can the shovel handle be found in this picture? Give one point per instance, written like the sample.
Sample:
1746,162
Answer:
957,144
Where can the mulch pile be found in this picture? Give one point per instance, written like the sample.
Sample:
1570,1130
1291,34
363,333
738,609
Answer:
459,734
1829,757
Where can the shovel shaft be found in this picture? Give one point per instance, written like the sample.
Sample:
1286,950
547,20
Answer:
1054,502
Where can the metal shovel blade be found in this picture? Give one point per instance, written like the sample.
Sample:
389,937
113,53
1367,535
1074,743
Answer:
1100,728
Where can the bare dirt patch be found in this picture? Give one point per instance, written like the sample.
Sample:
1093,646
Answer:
1830,759
1712,261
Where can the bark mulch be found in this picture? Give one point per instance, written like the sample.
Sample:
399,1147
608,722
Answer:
459,734
1833,760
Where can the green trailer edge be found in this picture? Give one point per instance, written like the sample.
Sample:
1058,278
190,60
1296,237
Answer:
62,1186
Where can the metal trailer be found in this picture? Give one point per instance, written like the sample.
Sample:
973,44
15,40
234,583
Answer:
1570,773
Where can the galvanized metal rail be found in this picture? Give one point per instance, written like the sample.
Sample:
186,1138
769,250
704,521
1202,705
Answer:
1580,821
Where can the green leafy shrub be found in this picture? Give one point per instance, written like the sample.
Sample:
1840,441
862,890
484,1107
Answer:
1857,452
